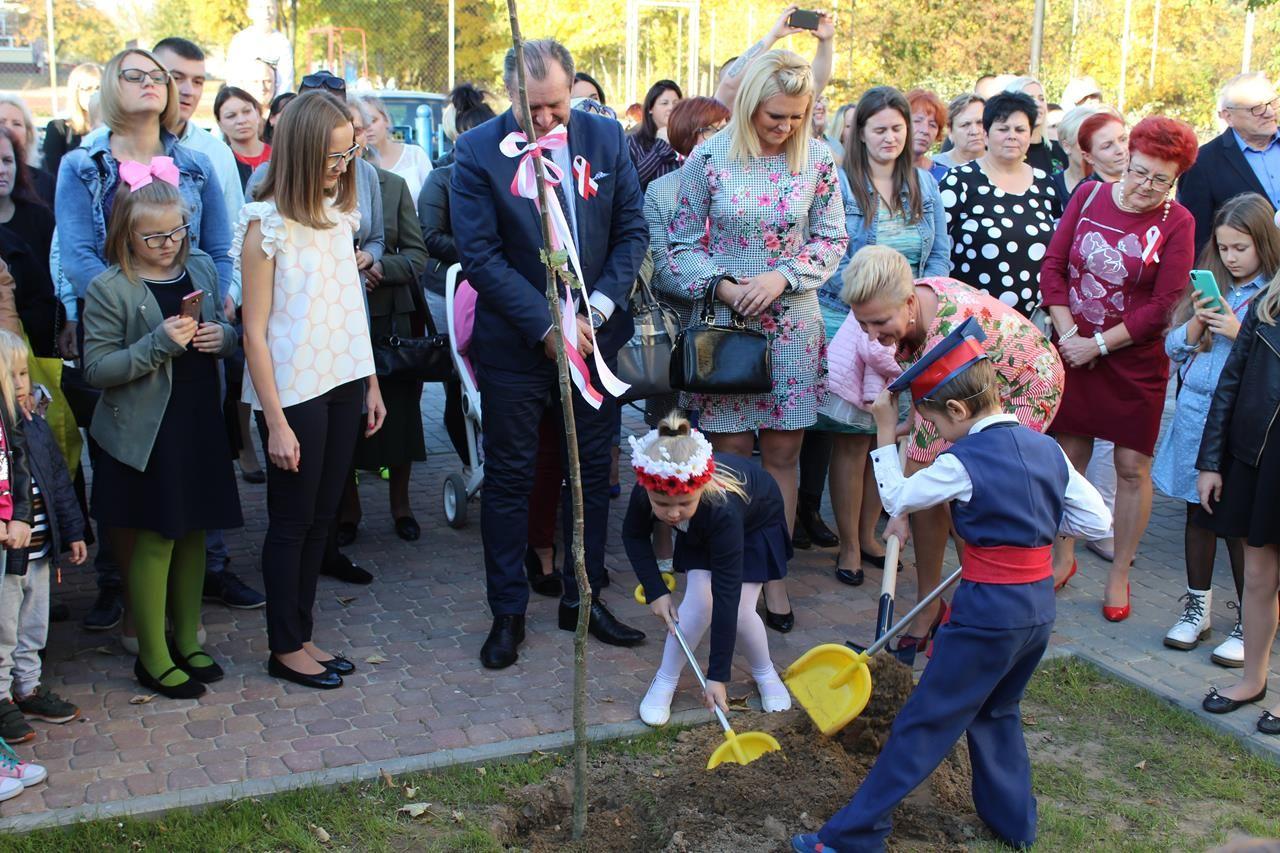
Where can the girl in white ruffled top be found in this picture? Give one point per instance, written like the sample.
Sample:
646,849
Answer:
309,362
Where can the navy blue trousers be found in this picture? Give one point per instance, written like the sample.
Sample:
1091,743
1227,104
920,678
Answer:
973,685
513,406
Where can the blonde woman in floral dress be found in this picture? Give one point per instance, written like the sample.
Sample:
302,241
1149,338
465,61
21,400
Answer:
767,204
915,315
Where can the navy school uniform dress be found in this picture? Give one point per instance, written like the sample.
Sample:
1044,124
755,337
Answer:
1022,494
737,541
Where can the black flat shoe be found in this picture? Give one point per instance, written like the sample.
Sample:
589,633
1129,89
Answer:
338,664
346,533
873,560
1216,703
207,674
542,584
602,625
407,528
342,568
256,477
853,577
800,538
189,689
327,680
1269,723
819,534
501,647
780,622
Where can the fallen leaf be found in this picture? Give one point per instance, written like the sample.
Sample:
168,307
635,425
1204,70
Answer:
102,650
1141,765
376,659
481,771
386,778
142,700
456,816
657,774
409,792
617,822
414,809
344,600
319,832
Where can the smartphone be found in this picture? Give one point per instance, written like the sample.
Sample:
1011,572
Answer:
803,19
1204,284
191,305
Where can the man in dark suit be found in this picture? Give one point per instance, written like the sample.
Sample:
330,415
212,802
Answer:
499,237
1245,158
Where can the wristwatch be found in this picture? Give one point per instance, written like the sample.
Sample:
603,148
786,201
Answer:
597,318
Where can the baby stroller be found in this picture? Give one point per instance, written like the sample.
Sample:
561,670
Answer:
460,310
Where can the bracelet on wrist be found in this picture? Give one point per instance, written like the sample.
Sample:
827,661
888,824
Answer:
1102,344
1069,333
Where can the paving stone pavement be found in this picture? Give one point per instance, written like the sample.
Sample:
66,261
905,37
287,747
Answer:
426,614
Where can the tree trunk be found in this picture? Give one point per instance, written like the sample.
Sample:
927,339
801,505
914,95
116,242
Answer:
575,472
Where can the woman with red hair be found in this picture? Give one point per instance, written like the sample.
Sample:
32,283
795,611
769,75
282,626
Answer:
928,126
1115,269
1103,140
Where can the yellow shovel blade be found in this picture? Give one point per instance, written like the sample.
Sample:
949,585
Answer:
832,683
667,577
742,748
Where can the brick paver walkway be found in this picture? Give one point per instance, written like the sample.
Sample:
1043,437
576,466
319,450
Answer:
425,614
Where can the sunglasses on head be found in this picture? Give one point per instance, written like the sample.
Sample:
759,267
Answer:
324,81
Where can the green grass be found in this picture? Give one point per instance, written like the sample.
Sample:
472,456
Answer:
1087,734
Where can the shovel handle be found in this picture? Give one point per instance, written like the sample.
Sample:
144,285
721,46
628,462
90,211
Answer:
888,585
697,670
913,613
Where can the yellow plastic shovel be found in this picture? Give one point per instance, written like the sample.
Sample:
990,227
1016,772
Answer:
833,683
667,577
737,748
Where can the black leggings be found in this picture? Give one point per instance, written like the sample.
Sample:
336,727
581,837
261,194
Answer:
1202,547
815,457
301,507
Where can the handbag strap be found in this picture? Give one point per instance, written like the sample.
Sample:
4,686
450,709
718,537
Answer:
709,300
420,305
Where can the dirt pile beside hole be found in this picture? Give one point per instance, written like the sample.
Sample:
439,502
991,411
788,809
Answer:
669,802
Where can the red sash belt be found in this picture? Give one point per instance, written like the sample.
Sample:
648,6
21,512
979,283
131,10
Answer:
1006,564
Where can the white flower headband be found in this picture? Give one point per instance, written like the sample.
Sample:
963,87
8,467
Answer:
667,476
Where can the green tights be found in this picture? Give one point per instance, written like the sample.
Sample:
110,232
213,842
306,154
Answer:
167,575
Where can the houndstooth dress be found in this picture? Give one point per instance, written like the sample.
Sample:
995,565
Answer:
744,219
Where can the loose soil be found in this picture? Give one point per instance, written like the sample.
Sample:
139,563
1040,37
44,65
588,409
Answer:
669,802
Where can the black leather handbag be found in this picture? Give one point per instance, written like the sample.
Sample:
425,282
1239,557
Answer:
422,359
711,359
644,362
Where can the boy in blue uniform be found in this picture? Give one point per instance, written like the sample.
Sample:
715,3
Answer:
1012,491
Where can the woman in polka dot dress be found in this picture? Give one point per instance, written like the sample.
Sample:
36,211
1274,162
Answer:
1001,210
309,361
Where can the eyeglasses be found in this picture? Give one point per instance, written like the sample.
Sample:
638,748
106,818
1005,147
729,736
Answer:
1259,110
711,128
138,77
1158,182
159,241
323,81
345,157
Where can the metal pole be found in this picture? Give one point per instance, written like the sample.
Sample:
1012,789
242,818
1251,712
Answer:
1037,37
1247,57
453,32
1124,53
711,57
633,35
1155,44
51,54
1075,24
695,38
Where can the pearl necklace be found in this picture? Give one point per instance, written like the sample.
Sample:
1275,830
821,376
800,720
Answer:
1168,201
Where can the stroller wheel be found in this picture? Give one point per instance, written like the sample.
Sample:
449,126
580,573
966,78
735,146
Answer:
455,501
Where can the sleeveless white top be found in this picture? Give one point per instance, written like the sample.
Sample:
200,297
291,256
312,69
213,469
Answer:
318,329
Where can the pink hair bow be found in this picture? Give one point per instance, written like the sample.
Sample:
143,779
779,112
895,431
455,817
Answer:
138,175
516,144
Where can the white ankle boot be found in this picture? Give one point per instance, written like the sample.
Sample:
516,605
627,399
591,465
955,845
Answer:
655,707
1193,625
1231,651
773,693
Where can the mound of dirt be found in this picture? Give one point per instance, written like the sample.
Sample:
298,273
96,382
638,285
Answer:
669,802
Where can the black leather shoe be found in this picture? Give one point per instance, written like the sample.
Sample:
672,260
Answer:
346,533
548,585
338,664
341,568
501,647
800,538
206,674
257,478
853,577
780,622
873,559
1269,723
602,625
1216,703
189,689
407,528
821,535
106,613
327,680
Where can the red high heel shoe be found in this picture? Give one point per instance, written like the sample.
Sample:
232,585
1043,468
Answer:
1062,583
1118,614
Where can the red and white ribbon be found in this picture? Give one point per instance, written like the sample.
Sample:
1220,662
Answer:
525,185
1150,252
582,180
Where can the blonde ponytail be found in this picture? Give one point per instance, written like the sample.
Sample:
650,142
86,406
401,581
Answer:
676,443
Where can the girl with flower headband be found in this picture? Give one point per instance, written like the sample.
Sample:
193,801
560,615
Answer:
730,538
164,476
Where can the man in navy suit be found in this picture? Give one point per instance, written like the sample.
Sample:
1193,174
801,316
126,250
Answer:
1245,158
499,237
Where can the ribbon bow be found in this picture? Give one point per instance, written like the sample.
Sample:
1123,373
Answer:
138,175
1150,252
516,144
586,185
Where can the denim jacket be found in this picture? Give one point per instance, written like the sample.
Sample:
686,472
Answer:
87,180
935,244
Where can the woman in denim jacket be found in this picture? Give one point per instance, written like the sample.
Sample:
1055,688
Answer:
139,104
878,159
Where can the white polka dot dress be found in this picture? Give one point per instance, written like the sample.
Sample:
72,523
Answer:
999,239
318,329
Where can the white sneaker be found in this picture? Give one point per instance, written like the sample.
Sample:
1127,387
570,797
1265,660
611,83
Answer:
15,769
1231,652
773,694
10,788
655,707
1193,625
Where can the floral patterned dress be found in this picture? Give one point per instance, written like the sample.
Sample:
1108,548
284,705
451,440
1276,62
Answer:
1028,367
745,219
